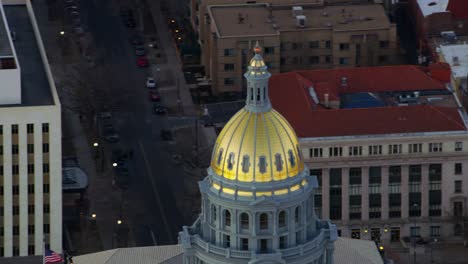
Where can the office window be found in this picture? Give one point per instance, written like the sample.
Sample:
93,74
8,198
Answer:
30,148
31,249
375,175
383,59
45,128
354,176
1,149
435,231
415,231
15,189
14,149
263,245
458,168
344,46
30,188
435,147
45,148
15,230
375,150
46,188
30,168
414,173
15,169
335,151
344,60
335,176
30,229
355,151
435,172
244,219
31,209
269,50
228,81
282,242
228,67
316,152
14,129
46,228
394,174
328,58
328,44
1,130
314,44
415,148
30,128
228,52
458,146
356,233
45,168
16,210
296,45
458,186
47,208
314,59
394,149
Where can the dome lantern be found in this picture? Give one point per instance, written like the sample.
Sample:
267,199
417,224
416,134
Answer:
257,76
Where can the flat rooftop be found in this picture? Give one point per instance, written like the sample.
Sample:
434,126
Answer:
365,101
429,7
255,19
35,87
457,57
5,47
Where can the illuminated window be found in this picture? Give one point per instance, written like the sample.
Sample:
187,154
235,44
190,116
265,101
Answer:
245,164
278,162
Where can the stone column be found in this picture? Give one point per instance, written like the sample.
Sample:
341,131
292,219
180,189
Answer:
330,250
234,229
345,195
384,191
275,230
253,245
424,190
365,193
404,191
291,226
326,193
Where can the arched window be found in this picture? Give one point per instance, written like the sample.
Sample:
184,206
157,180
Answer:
296,215
213,213
245,163
292,160
227,218
263,221
282,219
278,162
244,221
231,161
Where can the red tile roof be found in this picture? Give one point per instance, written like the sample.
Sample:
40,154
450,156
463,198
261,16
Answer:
458,8
290,96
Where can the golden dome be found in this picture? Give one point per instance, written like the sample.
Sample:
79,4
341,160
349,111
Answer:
257,147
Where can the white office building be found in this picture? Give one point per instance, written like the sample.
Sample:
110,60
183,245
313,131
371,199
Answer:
30,138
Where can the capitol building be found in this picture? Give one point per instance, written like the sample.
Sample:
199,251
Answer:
257,200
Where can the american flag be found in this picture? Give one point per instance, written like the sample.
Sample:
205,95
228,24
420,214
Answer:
51,257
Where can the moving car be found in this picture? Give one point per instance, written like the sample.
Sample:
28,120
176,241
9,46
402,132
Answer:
140,50
150,82
159,109
142,62
154,96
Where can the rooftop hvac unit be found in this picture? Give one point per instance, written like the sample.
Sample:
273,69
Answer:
297,11
456,61
300,21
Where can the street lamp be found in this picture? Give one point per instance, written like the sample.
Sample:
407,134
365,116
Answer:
62,33
119,222
114,164
93,216
95,144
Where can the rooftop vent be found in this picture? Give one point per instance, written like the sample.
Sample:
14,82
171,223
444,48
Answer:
300,21
297,11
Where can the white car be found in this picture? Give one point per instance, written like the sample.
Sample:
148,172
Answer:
150,82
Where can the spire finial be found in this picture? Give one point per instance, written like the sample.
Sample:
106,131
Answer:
257,48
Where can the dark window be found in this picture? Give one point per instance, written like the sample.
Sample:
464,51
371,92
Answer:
344,60
335,176
46,208
328,58
245,164
15,210
228,67
15,150
45,128
30,128
384,44
328,44
30,168
414,173
45,148
15,189
278,162
228,52
46,188
244,221
220,155
228,81
213,213
344,46
282,219
14,129
262,164
354,176
394,174
414,204
31,209
292,160
244,244
282,242
435,172
45,168
15,230
46,228
375,200
30,188
263,221
317,173
296,215
15,169
263,245
31,229
394,200
458,146
375,175
314,59
356,233
458,168
30,148
227,218
269,50
314,44
458,186
335,151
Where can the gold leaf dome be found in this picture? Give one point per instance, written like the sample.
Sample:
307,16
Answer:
257,147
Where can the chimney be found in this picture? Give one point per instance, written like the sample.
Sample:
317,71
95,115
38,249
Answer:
326,100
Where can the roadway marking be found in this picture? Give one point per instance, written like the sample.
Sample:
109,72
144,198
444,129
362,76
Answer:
156,194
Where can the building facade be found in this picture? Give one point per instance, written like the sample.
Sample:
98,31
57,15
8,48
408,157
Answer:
30,138
388,146
294,37
258,197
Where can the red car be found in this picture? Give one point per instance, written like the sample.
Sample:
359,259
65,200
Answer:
154,96
142,62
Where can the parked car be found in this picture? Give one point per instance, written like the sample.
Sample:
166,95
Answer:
136,40
140,50
154,96
142,62
150,82
159,109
